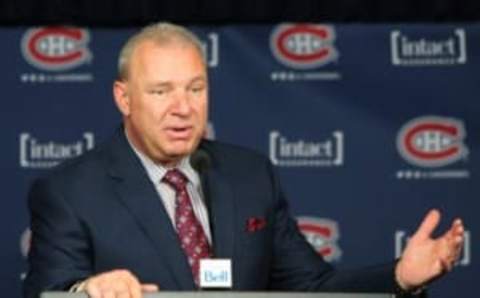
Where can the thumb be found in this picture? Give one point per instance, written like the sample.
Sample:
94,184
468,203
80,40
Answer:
149,288
428,225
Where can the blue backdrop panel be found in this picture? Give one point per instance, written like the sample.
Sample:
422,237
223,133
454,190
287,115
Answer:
369,126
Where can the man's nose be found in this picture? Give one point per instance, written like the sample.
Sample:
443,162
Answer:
182,105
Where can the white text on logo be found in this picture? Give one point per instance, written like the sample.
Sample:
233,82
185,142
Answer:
35,154
407,51
284,152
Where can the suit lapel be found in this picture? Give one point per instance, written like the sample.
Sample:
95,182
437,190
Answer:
139,195
222,213
220,200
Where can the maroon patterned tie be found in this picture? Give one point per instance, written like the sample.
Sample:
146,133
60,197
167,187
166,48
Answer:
189,230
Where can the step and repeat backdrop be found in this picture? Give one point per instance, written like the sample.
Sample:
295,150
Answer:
369,126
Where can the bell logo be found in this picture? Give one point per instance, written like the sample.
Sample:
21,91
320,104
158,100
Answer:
56,48
432,141
303,46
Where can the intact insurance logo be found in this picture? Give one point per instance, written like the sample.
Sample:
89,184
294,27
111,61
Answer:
56,52
431,144
35,153
288,152
417,49
322,234
304,49
402,238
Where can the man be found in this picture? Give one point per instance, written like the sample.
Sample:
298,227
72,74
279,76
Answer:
133,215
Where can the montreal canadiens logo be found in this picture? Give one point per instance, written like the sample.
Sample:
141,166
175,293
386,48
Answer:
322,234
303,46
56,48
432,141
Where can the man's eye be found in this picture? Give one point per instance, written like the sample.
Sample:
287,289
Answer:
158,92
197,89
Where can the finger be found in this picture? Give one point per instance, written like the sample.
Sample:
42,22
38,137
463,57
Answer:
149,288
126,282
108,294
135,291
455,250
458,246
455,233
120,288
93,291
458,221
457,225
460,239
447,265
132,283
428,225
123,295
459,228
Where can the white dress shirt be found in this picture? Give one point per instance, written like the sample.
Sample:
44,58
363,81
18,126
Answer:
167,195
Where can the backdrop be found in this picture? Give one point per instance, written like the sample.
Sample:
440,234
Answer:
369,126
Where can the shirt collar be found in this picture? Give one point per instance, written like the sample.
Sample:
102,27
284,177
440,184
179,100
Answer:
157,171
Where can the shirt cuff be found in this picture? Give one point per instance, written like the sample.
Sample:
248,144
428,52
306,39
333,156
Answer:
79,286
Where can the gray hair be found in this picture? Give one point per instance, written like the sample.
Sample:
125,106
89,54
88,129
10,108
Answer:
162,34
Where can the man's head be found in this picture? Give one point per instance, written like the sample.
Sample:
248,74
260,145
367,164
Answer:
162,92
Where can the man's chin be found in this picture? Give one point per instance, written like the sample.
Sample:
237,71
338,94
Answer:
180,151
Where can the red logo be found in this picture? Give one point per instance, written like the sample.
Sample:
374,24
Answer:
56,48
432,141
303,46
322,234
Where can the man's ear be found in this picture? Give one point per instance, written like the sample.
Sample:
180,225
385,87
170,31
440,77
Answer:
122,99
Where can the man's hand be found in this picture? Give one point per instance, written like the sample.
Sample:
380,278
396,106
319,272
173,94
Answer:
424,258
116,284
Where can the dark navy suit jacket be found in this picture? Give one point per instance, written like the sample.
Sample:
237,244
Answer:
101,212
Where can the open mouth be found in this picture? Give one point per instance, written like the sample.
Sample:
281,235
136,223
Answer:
180,133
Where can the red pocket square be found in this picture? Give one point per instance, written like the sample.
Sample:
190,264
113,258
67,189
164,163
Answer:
255,224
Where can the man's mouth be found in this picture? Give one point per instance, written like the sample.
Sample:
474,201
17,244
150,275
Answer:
179,132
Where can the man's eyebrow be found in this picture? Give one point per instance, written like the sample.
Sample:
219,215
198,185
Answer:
202,78
199,78
159,84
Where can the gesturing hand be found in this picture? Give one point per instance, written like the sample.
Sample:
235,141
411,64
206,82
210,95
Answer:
116,284
424,258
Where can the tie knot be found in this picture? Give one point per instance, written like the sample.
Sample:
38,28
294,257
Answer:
175,179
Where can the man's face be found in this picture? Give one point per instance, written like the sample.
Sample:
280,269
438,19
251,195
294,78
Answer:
164,101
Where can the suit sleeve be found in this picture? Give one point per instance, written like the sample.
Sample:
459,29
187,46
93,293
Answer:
296,266
59,254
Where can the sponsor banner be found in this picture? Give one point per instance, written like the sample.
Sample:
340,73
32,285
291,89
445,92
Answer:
304,49
36,153
288,152
56,52
323,235
431,143
403,102
420,49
